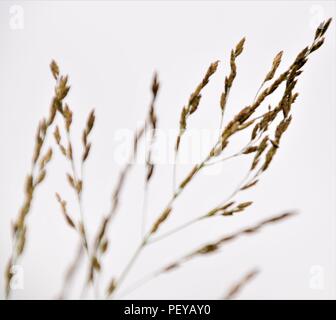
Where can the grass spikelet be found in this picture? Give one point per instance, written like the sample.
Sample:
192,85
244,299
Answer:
281,128
269,157
66,215
261,148
54,69
275,64
230,78
189,177
249,185
236,288
160,220
86,132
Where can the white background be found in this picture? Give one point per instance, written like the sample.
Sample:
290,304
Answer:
110,50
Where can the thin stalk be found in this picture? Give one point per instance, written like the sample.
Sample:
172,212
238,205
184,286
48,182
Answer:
174,171
145,195
139,283
130,264
70,273
223,159
175,230
256,95
144,210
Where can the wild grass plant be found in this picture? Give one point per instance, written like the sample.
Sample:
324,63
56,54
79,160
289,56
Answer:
266,126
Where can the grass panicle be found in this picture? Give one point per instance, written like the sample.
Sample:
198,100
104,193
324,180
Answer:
264,150
37,172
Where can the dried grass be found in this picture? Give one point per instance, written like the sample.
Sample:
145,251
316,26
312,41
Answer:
261,147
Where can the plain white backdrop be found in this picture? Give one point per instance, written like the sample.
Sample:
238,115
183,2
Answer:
110,51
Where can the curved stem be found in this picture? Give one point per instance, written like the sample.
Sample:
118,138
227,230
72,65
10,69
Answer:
256,95
181,227
221,124
223,159
174,170
130,264
140,283
144,210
